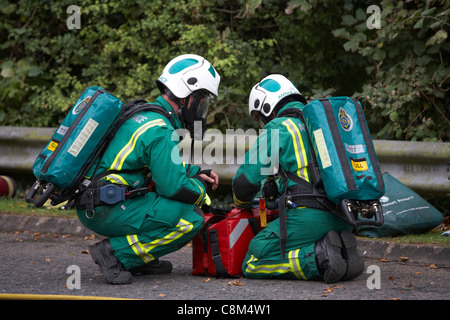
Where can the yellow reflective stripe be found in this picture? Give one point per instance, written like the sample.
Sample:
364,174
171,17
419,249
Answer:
237,201
295,264
292,266
139,248
115,178
297,156
207,200
200,199
126,150
142,249
267,268
183,226
303,154
299,147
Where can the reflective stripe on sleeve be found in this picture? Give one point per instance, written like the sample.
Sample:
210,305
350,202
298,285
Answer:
299,147
129,147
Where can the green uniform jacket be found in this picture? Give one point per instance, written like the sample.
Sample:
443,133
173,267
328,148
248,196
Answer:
284,141
146,227
149,142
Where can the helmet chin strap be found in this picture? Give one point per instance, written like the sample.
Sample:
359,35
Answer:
174,99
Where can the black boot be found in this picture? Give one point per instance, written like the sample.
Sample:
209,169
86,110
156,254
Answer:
355,264
112,269
330,263
153,267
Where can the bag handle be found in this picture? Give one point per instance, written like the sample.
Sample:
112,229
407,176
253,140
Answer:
37,185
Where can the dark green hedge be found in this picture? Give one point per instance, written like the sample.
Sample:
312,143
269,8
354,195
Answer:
400,71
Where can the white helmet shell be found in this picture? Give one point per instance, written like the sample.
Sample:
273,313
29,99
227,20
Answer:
266,94
188,73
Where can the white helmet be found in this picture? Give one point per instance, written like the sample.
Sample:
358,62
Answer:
188,73
266,94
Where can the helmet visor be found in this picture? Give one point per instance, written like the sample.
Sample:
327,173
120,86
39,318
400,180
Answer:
203,107
196,111
200,105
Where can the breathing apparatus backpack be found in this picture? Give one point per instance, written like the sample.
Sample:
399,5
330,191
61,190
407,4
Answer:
79,143
344,171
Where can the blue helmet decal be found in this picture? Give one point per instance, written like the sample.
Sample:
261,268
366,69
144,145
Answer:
212,71
181,65
270,85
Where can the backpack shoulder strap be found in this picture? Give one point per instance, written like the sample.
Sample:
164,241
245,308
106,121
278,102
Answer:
292,113
138,105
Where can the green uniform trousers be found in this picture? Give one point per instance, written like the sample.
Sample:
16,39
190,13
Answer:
304,226
146,228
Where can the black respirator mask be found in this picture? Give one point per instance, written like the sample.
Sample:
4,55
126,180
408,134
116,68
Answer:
259,119
193,114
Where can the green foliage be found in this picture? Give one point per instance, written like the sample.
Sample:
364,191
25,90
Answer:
407,92
400,71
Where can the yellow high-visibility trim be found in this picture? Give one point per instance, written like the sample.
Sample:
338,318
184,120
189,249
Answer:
294,140
303,154
139,248
295,264
267,268
143,249
292,266
183,226
237,201
129,147
200,199
115,178
299,148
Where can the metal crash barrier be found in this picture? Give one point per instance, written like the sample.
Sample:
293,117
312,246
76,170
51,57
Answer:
422,166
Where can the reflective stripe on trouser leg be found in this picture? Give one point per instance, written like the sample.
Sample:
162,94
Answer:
143,249
294,262
138,248
285,269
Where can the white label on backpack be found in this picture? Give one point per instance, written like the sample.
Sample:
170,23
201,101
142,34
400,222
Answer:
83,137
62,130
354,149
322,148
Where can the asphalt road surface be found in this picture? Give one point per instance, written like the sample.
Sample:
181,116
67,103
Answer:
44,264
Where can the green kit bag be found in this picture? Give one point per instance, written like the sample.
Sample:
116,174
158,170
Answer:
405,212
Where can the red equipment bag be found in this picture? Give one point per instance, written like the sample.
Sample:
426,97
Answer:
220,247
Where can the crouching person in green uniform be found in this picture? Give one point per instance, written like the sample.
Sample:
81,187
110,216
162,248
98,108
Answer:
143,228
318,244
